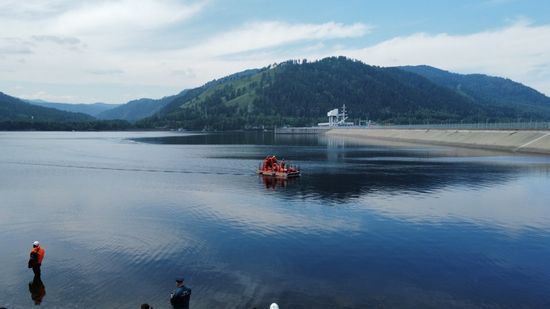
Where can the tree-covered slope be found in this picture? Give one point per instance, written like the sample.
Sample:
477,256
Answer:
14,109
188,95
142,108
496,93
301,93
312,89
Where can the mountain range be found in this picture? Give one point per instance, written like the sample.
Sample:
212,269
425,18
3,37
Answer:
138,109
14,109
93,109
17,114
301,92
498,93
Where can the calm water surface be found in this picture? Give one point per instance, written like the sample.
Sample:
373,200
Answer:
367,226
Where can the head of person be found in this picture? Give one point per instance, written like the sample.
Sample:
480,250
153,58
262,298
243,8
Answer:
179,282
35,244
146,306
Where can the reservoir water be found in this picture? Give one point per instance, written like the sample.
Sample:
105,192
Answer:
367,225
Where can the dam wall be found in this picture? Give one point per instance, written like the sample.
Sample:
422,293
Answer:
302,130
534,141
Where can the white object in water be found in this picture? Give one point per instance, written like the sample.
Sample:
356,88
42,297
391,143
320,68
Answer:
274,306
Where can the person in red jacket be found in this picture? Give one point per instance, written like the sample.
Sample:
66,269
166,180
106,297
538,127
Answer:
36,257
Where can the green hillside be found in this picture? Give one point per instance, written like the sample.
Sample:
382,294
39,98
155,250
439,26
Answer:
504,97
301,93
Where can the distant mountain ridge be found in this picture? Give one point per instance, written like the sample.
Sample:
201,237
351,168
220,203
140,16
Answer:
14,109
498,93
91,109
138,109
131,111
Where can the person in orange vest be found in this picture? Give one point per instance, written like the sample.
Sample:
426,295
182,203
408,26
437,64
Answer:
36,257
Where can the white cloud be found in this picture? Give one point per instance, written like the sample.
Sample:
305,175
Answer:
46,96
483,207
122,15
259,35
106,72
517,52
102,52
103,24
56,39
33,9
66,42
86,42
14,46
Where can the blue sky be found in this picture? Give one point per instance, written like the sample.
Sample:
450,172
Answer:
112,51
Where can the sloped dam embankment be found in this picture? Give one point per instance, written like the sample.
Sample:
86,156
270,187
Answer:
509,140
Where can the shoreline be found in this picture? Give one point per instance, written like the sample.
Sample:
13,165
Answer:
523,141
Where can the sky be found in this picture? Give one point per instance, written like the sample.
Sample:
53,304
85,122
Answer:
77,51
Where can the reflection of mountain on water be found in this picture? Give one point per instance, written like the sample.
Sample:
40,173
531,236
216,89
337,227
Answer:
235,138
338,169
344,170
248,138
395,177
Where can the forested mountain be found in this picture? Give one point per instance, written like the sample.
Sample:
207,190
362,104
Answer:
503,96
301,93
138,109
16,114
90,109
189,94
14,109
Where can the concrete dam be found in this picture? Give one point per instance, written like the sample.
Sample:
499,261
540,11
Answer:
533,141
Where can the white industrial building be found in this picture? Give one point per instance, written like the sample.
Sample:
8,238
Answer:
336,118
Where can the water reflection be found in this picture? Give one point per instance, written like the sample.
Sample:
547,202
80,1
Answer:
277,182
365,226
234,138
339,185
37,290
336,169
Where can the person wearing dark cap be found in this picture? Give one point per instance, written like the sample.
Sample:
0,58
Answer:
181,296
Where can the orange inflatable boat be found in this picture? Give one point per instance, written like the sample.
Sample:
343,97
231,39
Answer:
272,167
